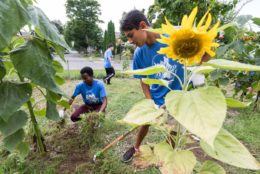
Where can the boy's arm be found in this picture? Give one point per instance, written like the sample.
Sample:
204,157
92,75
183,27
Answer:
104,104
71,99
146,89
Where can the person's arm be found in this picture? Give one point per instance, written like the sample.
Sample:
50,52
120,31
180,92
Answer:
104,104
75,93
146,90
71,100
205,58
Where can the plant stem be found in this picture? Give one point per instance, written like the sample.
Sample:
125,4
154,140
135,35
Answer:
39,142
40,146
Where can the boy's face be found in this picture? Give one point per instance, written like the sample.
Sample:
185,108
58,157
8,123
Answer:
87,78
137,37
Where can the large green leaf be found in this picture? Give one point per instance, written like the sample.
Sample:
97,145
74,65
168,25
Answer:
201,69
211,167
145,158
12,97
23,149
14,123
201,111
256,21
243,19
233,103
148,71
177,162
33,60
51,112
13,140
142,113
155,81
44,28
231,65
2,69
229,150
13,17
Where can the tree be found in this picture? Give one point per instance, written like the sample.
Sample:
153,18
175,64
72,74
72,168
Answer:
83,28
58,25
175,9
109,36
28,59
105,42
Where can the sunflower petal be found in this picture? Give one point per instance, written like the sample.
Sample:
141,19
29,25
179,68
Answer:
192,17
202,19
184,21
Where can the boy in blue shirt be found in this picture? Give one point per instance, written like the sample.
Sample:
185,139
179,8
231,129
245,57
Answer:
145,56
93,94
107,64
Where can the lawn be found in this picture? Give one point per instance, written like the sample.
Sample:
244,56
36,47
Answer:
71,151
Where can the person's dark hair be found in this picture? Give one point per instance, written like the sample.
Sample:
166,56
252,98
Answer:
132,20
87,70
110,45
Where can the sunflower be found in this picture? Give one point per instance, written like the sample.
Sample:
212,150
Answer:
189,43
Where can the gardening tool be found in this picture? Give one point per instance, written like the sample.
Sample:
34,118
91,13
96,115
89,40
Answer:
62,113
99,153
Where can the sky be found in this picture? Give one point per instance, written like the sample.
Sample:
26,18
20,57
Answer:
113,9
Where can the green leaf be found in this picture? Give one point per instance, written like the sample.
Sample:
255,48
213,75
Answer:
23,149
155,81
198,110
40,113
177,162
211,167
13,16
33,60
13,140
223,27
64,103
148,71
12,97
15,122
51,112
201,69
59,80
256,21
145,158
243,19
229,150
57,66
233,103
2,69
142,113
44,28
256,86
231,65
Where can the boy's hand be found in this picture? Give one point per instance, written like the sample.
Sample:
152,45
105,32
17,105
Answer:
71,101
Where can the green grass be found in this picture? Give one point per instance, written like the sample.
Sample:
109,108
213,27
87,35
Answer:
77,150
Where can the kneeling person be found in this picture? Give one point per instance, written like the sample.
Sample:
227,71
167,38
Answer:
93,93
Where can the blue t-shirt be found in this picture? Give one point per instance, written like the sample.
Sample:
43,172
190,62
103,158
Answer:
147,56
108,54
92,95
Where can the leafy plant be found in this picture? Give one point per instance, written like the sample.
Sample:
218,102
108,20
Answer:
200,112
26,36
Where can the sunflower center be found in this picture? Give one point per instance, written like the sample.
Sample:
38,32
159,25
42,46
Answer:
186,48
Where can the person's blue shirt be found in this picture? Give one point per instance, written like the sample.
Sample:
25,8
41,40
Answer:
147,56
92,95
107,55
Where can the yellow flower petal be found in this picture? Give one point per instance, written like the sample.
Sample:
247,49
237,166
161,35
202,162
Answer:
202,19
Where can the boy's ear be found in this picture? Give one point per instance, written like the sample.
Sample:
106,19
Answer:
142,25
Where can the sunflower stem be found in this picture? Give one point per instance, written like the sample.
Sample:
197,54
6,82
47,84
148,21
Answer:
175,75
